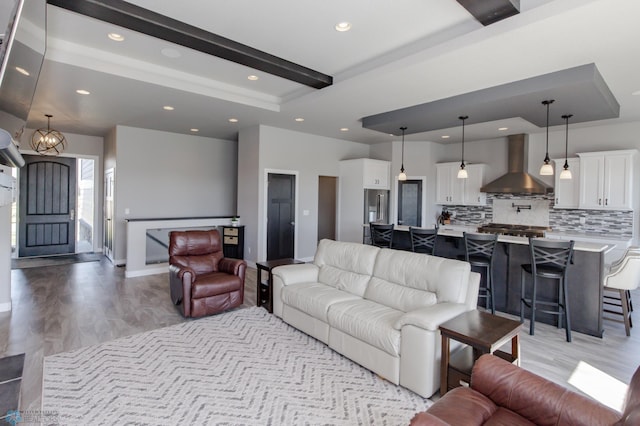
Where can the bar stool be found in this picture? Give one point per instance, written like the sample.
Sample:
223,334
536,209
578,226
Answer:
381,234
549,259
423,240
623,277
613,298
478,251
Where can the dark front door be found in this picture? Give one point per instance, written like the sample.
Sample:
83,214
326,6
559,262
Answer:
47,206
280,216
410,203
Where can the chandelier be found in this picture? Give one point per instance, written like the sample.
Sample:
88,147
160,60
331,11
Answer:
49,141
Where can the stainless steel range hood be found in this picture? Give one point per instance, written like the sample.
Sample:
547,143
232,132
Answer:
517,180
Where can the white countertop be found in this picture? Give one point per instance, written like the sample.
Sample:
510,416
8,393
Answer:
593,244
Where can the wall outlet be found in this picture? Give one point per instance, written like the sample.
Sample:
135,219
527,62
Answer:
305,212
483,215
583,220
127,211
453,214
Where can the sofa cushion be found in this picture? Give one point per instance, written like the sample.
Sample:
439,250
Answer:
447,278
346,266
367,321
351,282
313,298
398,297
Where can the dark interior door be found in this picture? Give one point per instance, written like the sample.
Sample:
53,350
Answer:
410,202
47,206
280,216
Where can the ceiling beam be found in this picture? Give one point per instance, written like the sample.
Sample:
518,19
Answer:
491,11
130,16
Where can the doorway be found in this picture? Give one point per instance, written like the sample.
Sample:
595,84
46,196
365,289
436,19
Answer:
47,212
327,204
108,212
410,202
280,215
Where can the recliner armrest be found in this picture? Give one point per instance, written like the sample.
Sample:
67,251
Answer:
430,317
231,266
179,271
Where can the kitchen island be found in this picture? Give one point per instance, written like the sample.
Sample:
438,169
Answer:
584,277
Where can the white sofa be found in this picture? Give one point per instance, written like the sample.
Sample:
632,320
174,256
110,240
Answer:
379,307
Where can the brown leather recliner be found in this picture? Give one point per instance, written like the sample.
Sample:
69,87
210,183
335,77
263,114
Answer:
202,280
504,394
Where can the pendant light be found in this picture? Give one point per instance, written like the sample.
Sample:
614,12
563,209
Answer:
546,169
402,175
49,141
566,173
462,173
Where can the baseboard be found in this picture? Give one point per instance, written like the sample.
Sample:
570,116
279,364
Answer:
5,307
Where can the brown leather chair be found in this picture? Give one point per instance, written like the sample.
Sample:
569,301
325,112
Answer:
504,394
202,280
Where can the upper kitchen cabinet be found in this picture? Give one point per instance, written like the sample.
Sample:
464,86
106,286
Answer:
472,185
606,180
567,191
451,190
375,173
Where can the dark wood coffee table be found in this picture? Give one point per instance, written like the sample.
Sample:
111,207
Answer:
484,333
265,289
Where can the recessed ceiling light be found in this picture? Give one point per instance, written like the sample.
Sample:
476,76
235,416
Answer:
253,77
168,108
233,120
116,37
170,53
22,71
636,93
503,128
83,92
299,119
194,130
343,26
344,129
445,136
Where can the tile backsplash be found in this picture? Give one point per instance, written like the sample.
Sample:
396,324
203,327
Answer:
499,209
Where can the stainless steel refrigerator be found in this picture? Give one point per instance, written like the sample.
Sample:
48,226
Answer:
376,206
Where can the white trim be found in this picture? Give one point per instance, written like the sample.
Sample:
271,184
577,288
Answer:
5,307
265,197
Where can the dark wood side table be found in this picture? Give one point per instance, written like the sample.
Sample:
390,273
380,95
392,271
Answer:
265,289
484,333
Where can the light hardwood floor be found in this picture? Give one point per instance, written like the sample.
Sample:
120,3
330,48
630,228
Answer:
62,308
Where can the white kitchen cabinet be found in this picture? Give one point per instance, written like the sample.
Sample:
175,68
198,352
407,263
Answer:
375,174
567,191
451,190
606,180
472,194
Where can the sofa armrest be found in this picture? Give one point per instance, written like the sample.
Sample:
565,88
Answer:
535,398
430,317
293,274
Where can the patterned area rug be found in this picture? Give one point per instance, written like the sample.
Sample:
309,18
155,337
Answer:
244,367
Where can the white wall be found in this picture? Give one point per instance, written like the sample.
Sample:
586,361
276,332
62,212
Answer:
5,252
309,155
170,175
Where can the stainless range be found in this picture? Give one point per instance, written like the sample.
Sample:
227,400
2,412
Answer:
515,230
